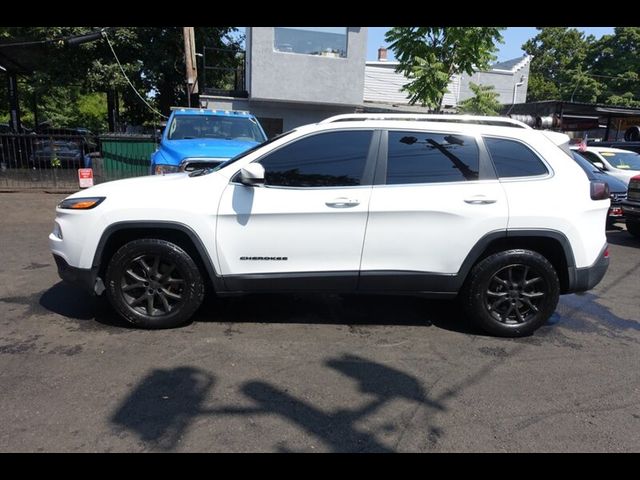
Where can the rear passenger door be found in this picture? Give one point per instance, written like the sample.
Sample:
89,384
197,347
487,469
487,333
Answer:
435,196
524,177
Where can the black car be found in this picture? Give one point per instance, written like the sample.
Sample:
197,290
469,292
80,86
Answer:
631,207
617,188
63,147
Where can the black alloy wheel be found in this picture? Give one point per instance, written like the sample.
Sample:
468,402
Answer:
511,293
154,283
151,285
515,294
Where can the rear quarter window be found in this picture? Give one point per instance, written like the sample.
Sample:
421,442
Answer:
514,159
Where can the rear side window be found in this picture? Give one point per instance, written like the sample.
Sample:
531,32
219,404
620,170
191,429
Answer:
332,159
423,157
514,159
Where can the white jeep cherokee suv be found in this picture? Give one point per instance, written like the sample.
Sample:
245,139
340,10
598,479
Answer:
482,208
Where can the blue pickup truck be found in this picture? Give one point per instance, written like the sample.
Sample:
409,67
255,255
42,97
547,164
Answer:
198,138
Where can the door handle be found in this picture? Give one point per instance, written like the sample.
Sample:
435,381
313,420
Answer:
479,200
342,203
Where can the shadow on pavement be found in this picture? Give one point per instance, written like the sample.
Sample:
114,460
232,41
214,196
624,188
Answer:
161,408
346,309
623,238
163,405
74,303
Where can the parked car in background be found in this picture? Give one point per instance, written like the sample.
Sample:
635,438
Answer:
622,164
631,207
630,146
617,188
198,138
63,147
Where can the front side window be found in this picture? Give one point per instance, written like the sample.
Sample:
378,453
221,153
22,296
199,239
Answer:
514,159
244,129
322,41
332,159
422,157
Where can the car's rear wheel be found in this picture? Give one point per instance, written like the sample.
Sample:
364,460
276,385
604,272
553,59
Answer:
154,284
511,293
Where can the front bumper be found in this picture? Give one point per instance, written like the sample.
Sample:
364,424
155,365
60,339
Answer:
85,278
583,279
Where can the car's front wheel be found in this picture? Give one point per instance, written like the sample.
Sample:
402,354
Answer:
154,284
512,293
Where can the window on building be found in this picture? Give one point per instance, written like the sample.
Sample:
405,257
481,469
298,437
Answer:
271,126
514,159
332,159
421,157
323,41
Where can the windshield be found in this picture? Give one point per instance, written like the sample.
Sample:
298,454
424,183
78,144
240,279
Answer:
251,150
623,160
184,127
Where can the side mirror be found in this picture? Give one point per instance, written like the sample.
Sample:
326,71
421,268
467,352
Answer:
252,175
599,164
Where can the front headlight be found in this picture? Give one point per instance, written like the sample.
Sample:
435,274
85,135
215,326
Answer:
84,203
161,169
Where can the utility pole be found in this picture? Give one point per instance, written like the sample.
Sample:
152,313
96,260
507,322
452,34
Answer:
190,62
14,104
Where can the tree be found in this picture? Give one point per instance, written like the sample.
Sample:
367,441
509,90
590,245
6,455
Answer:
614,60
569,66
429,56
152,58
484,102
557,67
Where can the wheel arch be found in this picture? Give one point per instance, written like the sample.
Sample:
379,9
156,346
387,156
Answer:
120,233
552,244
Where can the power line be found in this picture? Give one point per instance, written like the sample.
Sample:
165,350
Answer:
69,40
104,34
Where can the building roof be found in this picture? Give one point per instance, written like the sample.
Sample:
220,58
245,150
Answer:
550,107
512,65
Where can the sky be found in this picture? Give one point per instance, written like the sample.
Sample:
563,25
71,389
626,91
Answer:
514,37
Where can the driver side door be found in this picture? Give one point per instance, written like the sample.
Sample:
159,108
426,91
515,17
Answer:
304,228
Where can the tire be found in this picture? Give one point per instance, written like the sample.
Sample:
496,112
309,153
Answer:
154,284
632,134
501,303
633,228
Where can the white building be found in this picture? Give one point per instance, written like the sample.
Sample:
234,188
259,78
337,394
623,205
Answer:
382,85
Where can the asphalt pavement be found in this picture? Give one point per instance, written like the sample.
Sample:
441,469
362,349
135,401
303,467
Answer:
308,373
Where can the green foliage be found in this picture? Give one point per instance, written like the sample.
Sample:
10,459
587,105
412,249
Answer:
429,56
558,53
569,66
484,101
71,80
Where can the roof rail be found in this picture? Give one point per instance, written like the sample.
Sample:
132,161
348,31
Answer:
427,117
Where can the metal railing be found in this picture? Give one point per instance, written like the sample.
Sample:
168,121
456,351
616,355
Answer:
51,161
223,72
